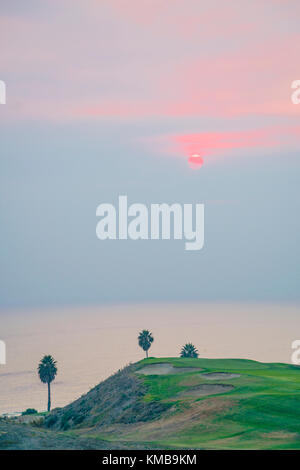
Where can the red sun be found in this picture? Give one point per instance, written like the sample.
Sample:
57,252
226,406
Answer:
195,161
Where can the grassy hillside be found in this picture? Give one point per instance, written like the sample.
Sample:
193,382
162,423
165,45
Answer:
187,403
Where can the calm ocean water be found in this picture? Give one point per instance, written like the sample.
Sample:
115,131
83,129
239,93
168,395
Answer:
92,343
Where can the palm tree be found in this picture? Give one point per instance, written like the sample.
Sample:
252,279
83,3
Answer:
145,339
189,350
47,371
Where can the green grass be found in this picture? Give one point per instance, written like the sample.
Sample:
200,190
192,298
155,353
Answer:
261,412
132,410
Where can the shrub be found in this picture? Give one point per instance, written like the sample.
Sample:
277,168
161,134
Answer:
29,411
51,420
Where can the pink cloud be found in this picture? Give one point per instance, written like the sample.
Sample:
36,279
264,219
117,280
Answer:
237,83
211,146
132,59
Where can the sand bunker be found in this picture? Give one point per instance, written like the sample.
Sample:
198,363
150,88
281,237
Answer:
219,376
165,368
205,389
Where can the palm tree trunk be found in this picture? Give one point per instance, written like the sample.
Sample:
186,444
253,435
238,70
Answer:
146,353
49,397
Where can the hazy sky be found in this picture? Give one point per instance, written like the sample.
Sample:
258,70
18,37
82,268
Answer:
111,97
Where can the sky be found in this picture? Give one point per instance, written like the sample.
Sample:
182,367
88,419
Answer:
112,97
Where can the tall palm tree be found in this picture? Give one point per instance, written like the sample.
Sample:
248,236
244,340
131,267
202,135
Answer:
47,371
145,339
189,350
